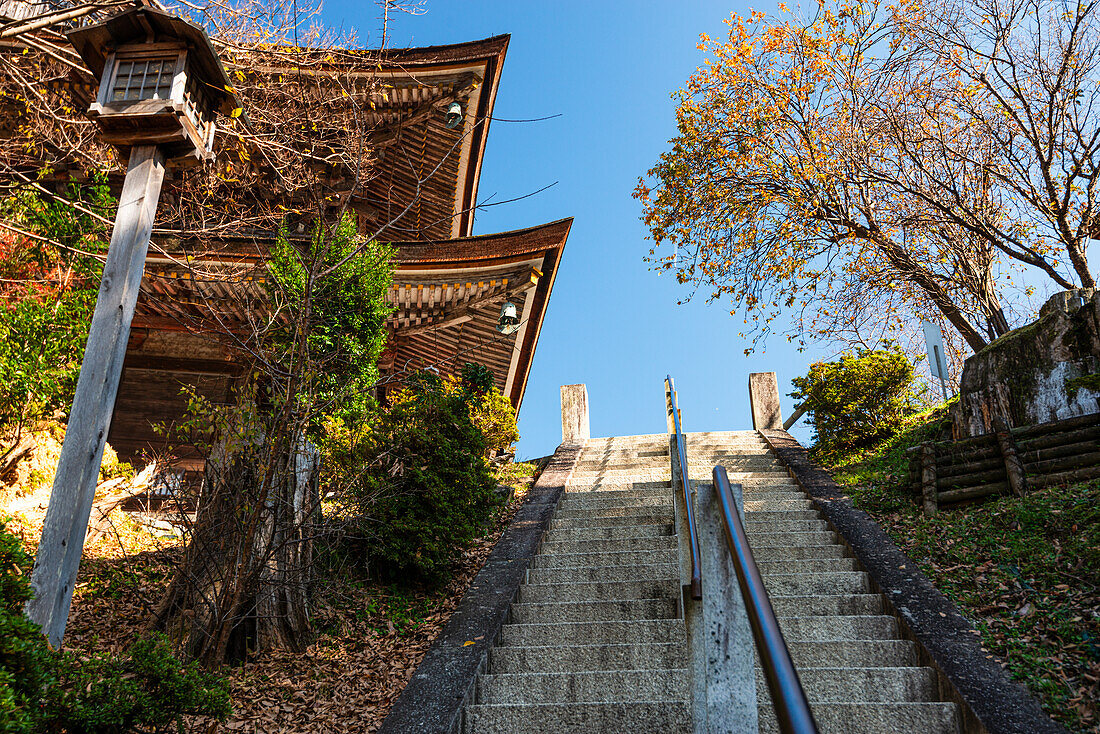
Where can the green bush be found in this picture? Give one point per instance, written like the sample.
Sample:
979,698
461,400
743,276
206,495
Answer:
148,688
26,663
858,400
331,323
44,691
490,410
415,485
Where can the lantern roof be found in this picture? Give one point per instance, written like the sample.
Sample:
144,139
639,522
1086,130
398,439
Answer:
95,42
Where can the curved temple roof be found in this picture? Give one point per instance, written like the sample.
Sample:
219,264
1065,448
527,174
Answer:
448,297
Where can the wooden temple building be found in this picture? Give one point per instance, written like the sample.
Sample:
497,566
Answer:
449,284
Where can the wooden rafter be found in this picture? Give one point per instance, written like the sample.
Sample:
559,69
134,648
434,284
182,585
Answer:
465,313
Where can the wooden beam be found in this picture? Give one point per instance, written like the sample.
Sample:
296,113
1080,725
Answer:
443,323
66,523
178,364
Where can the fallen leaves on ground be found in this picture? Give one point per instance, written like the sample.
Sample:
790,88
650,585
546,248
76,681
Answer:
1025,571
370,637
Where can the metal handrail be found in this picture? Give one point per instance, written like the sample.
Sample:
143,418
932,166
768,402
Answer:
788,698
685,490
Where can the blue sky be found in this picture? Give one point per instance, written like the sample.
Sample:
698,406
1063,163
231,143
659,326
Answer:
608,69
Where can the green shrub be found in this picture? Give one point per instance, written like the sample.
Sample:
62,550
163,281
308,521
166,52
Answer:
331,323
148,688
415,485
490,410
26,663
47,295
858,400
495,417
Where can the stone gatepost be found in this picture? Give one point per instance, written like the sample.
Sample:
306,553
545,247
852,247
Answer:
764,400
574,414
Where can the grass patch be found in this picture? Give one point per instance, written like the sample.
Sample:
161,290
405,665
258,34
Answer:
1025,571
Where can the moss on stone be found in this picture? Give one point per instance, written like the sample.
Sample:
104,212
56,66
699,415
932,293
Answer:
1086,382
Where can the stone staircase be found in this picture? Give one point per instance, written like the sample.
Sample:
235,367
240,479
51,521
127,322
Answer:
594,642
858,674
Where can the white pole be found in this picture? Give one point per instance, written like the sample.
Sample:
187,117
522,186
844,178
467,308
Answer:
943,372
66,522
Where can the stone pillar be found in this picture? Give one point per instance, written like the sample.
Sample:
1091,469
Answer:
764,399
574,414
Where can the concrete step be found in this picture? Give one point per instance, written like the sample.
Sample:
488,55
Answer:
622,440
808,565
646,449
788,540
579,488
621,468
621,531
657,542
723,435
625,510
754,526
606,590
856,718
602,559
571,658
851,653
601,574
797,553
857,627
604,522
777,505
775,481
625,498
672,717
655,474
595,611
826,604
798,584
861,685
774,494
743,478
605,685
617,632
782,515
740,464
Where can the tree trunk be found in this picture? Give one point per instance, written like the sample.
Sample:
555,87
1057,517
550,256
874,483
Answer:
243,583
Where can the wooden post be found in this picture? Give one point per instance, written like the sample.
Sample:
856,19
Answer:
928,479
66,522
1014,469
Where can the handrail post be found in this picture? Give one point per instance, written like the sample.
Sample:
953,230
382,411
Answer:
792,709
718,630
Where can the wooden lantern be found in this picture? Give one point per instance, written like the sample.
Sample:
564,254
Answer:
160,86
160,83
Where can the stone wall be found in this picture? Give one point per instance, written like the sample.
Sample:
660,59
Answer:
1045,371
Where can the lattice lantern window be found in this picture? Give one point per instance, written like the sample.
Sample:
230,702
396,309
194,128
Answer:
160,82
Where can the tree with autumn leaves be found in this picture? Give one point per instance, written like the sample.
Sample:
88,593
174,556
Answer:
884,161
